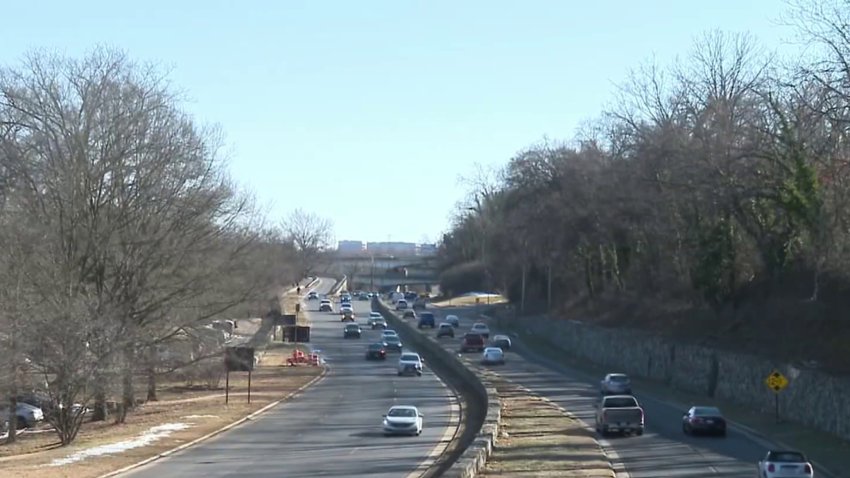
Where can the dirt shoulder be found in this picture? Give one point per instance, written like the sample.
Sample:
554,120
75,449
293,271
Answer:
540,439
178,418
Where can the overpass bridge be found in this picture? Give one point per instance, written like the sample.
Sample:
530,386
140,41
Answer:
381,271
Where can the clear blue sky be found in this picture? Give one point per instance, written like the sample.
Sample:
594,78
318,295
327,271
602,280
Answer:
367,112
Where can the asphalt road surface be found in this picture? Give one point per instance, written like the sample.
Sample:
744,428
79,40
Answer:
333,429
663,450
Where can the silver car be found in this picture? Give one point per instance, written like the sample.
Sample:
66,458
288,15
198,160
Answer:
28,415
493,356
615,384
410,363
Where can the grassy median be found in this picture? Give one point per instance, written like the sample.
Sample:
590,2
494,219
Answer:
539,439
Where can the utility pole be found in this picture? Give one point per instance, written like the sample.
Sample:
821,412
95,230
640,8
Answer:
372,275
549,287
522,300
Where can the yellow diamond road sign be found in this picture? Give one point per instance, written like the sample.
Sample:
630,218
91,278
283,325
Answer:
776,381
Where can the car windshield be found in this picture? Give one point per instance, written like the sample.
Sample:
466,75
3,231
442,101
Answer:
479,326
786,457
352,327
427,315
492,350
376,346
409,358
391,339
707,412
445,326
402,412
472,337
620,402
619,378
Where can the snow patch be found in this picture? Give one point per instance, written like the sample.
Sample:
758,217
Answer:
200,416
150,436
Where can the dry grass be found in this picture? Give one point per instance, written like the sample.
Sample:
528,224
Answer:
465,301
540,439
204,410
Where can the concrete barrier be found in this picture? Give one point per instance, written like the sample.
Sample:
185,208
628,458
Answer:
340,284
481,407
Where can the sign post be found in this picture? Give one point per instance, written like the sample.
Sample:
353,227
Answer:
777,383
238,359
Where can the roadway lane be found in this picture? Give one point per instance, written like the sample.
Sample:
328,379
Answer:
333,428
663,450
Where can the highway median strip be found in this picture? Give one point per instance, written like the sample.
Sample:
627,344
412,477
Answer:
540,439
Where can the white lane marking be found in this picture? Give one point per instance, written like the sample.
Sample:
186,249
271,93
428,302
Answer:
448,434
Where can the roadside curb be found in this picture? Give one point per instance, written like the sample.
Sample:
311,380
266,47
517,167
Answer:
743,429
473,459
231,426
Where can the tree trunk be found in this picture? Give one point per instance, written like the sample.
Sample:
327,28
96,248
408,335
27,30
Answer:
99,411
128,398
13,417
151,371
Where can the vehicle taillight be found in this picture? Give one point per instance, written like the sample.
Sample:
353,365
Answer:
641,414
807,469
771,468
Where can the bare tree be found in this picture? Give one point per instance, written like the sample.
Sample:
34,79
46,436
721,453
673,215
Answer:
311,236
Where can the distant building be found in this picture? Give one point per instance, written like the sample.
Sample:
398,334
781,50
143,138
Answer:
392,248
427,249
351,247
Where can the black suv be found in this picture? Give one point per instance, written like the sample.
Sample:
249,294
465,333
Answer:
426,319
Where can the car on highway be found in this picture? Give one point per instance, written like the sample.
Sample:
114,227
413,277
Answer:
389,332
376,352
445,330
401,305
313,295
352,331
472,343
454,320
615,384
403,420
420,303
326,306
785,464
363,296
376,320
493,356
410,363
426,319
501,341
410,295
408,314
481,329
347,315
619,414
708,420
392,343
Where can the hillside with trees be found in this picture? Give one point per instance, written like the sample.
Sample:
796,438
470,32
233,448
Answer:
122,232
711,202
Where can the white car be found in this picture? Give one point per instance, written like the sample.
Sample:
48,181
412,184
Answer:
481,329
785,464
403,420
410,362
493,356
401,305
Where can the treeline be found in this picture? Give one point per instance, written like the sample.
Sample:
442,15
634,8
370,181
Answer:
120,230
724,173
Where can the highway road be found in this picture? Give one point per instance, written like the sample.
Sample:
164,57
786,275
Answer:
663,450
333,429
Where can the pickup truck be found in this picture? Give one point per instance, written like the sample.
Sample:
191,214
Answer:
619,413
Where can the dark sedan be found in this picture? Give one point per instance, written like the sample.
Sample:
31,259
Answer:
708,420
376,352
392,342
352,331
